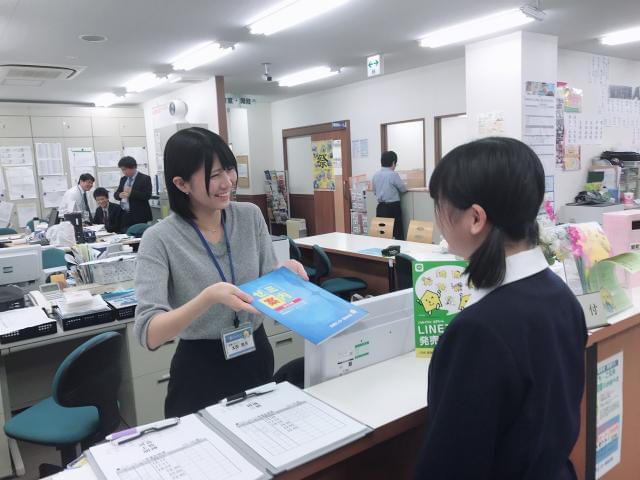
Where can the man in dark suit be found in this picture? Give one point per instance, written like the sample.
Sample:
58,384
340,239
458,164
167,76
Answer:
108,213
134,193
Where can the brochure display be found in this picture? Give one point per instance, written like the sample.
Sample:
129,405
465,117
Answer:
304,307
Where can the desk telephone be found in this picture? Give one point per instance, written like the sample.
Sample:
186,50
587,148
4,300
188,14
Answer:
48,296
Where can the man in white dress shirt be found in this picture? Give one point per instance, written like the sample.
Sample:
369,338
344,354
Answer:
77,198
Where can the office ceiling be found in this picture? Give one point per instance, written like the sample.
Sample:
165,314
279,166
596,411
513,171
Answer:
144,35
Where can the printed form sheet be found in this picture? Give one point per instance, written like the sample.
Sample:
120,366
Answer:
189,450
287,425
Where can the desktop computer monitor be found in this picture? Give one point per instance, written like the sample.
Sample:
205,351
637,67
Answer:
22,265
53,217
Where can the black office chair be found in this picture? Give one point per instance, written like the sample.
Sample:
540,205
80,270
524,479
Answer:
404,272
342,286
296,254
83,407
292,372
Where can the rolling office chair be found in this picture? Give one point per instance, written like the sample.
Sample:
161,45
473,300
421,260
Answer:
340,286
420,231
294,252
84,404
404,273
381,227
53,257
7,231
137,230
31,223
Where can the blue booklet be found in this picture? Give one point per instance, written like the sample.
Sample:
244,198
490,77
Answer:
304,307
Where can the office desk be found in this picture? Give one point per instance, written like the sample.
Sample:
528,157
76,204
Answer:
353,256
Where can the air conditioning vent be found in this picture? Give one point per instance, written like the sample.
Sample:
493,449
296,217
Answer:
38,72
9,82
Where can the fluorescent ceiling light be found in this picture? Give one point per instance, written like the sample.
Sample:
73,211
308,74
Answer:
622,36
144,82
199,55
479,27
290,13
107,99
305,76
174,78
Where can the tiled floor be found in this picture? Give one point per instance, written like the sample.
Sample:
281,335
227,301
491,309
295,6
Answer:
33,455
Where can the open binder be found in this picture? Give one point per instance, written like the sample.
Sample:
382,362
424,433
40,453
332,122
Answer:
252,439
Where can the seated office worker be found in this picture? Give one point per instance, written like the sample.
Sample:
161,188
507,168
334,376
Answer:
187,270
506,377
134,193
387,187
107,213
76,199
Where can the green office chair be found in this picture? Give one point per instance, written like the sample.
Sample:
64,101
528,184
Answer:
342,286
296,254
7,231
404,273
137,230
31,223
53,257
84,405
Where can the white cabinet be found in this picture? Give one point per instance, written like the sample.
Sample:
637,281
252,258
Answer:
105,127
286,347
131,127
11,126
149,393
76,127
46,126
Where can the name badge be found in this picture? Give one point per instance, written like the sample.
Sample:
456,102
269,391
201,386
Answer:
238,341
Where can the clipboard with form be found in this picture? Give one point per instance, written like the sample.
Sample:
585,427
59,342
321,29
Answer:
284,428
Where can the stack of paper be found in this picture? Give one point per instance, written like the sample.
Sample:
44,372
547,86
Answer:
97,305
14,320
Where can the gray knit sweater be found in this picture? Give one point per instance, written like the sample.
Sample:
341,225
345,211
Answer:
173,267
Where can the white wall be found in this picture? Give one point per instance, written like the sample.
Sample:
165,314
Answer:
238,125
202,108
574,68
260,146
418,93
407,140
454,132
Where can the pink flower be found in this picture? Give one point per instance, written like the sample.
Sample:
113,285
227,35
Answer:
549,209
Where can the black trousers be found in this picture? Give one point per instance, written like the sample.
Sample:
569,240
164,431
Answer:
392,210
200,375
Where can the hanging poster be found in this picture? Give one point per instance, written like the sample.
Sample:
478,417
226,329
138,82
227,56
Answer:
322,151
490,123
571,158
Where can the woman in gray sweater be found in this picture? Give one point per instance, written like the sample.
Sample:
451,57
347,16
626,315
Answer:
187,270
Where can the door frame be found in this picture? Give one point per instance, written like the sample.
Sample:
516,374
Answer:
384,140
437,134
338,126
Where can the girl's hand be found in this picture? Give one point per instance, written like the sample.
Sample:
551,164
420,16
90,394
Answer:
227,294
296,267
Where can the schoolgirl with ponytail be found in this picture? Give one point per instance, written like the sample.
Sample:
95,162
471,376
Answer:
506,378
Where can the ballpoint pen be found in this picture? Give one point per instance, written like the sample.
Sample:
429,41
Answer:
129,434
252,392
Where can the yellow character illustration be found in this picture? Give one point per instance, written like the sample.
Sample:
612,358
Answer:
457,287
464,299
441,273
607,300
457,274
442,286
430,301
427,281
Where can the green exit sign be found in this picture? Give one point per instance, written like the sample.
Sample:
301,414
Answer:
374,65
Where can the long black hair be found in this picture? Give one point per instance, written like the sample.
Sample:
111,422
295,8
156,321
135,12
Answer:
503,176
185,153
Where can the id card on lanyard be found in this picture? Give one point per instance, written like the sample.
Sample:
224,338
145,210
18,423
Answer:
236,340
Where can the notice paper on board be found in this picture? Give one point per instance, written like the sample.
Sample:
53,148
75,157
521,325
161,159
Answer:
304,307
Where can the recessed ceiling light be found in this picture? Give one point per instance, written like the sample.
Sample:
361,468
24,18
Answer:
306,76
199,55
478,27
93,38
144,82
289,13
622,36
106,100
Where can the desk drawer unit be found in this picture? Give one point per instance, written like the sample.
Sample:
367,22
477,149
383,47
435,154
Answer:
149,392
286,347
144,361
271,327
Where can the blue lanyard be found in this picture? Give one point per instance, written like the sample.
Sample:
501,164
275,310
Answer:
212,256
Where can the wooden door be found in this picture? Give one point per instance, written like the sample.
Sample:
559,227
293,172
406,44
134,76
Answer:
331,202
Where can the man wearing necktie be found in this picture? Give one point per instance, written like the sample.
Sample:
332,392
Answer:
108,213
76,198
134,193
